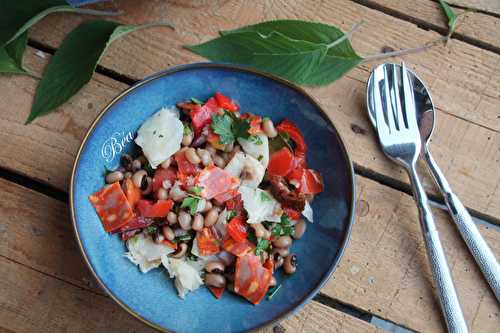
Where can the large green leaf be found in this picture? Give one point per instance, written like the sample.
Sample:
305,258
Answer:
17,16
274,53
340,57
11,56
75,61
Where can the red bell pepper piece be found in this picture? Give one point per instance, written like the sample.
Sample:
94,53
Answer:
236,229
226,103
310,181
255,123
295,134
269,265
280,163
291,213
202,115
112,207
237,248
208,243
158,209
169,244
161,175
132,192
217,292
235,204
251,279
215,181
185,167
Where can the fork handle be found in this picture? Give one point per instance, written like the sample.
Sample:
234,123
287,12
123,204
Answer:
475,242
448,299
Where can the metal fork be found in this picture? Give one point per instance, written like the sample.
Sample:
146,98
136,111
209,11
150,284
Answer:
400,139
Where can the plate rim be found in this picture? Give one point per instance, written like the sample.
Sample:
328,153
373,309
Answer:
203,65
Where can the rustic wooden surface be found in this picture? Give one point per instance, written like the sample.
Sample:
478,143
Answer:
46,286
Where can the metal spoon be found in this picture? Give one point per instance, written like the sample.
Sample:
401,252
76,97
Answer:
475,242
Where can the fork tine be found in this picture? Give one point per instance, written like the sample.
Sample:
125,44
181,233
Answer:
382,128
388,102
397,102
409,99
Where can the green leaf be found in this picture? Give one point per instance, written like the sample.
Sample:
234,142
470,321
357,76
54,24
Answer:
264,197
11,56
240,128
195,190
17,16
273,53
452,17
230,215
196,101
74,63
284,228
222,125
261,246
339,59
191,203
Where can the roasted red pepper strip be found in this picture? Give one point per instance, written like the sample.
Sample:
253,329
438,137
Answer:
237,248
216,291
310,181
226,103
202,115
215,181
251,279
255,122
208,243
295,134
161,175
280,163
236,229
112,206
185,167
235,204
169,244
132,192
158,209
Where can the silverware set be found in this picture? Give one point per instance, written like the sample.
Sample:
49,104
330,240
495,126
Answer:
402,112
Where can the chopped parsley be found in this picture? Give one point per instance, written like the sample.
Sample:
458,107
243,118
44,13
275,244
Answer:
282,140
187,129
229,128
255,139
196,101
182,238
151,229
262,245
284,228
149,169
195,190
191,203
264,197
230,215
260,157
160,136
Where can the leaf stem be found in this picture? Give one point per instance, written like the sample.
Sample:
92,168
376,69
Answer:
346,36
397,53
94,12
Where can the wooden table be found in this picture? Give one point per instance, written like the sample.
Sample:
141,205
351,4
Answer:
382,281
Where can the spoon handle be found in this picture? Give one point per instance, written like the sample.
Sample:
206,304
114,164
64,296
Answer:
475,242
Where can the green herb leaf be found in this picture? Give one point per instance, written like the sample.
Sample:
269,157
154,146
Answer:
255,139
151,229
16,17
230,215
280,141
195,190
452,18
273,53
261,246
240,128
191,203
260,157
284,228
196,101
149,169
264,196
182,238
11,56
222,125
74,63
187,129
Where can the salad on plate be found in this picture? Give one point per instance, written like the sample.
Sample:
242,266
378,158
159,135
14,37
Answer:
215,196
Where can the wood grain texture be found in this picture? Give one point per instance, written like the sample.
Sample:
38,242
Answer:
47,288
480,28
467,152
384,270
492,6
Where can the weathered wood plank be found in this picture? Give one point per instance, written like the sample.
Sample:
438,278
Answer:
481,28
33,302
45,150
491,6
384,270
465,143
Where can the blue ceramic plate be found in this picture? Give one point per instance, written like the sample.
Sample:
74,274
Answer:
152,297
